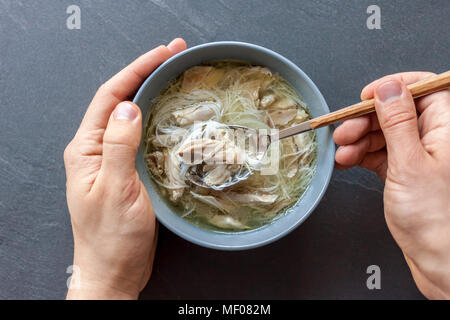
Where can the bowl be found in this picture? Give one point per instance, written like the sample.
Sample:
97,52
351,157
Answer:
254,54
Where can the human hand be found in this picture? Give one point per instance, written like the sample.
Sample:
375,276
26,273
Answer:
112,217
412,154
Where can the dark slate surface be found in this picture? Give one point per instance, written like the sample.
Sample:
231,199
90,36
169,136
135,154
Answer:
48,74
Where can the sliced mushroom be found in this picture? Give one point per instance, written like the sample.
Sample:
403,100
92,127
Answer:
227,222
176,194
283,117
292,171
285,103
253,198
301,140
213,77
277,207
267,100
217,202
253,87
301,115
262,70
193,77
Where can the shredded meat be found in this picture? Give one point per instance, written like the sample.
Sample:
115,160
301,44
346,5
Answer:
218,175
155,163
188,116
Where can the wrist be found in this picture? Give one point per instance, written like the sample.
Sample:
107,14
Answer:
93,290
99,293
101,285
434,283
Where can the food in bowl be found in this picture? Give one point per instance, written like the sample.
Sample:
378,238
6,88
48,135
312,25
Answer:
205,99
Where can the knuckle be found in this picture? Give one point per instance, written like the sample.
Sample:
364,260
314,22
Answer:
120,147
429,74
81,155
395,116
424,74
103,88
121,140
109,89
68,153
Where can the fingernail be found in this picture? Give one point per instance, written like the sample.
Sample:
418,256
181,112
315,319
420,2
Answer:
389,90
171,42
340,149
125,111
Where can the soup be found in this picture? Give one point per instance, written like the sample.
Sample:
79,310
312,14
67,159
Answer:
206,99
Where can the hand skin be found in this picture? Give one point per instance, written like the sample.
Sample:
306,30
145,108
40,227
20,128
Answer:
112,217
407,145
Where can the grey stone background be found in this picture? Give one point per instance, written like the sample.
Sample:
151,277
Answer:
48,74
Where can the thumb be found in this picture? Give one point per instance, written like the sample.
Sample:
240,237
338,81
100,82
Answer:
397,115
121,141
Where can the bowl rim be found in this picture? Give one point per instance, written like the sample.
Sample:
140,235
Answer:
327,174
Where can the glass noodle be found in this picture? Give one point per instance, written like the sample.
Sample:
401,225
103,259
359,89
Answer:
229,93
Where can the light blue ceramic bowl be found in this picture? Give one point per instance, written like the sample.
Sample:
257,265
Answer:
325,162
